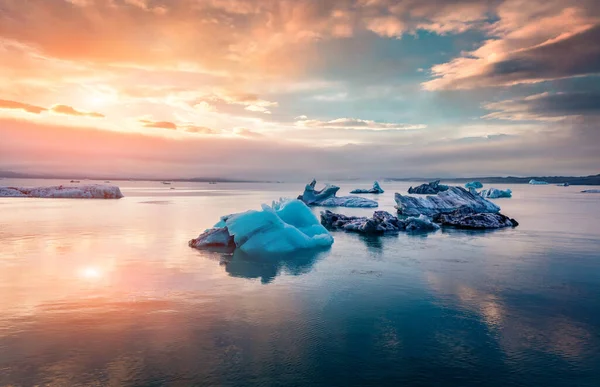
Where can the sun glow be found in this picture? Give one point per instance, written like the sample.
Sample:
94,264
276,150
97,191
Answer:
90,273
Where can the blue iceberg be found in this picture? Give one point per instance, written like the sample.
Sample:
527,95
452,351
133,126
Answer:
375,190
537,182
443,203
494,193
284,227
473,184
326,197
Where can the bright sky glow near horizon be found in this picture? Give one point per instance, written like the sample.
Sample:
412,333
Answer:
291,89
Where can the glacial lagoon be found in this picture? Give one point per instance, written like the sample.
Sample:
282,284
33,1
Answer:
110,293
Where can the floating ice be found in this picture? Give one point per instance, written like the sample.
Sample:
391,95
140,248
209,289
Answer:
562,184
467,218
428,188
537,182
444,202
90,191
326,197
473,184
284,227
591,191
494,193
381,222
375,190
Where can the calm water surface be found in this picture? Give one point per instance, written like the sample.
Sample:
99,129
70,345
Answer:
97,293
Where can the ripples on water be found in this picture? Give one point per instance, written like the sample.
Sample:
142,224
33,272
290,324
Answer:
109,293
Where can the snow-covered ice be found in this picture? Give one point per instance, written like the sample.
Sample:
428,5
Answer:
375,190
326,197
284,227
494,193
89,191
443,202
473,184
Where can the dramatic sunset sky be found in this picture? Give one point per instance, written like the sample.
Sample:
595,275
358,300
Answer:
291,89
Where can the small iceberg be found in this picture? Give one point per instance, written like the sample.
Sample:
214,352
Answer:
494,193
284,227
467,218
591,191
91,191
474,184
375,190
444,202
537,182
562,185
428,188
326,197
382,222
75,181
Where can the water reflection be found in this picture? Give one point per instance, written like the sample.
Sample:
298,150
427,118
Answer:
266,267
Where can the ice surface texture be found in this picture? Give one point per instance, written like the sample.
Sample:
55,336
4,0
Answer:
284,227
428,188
381,222
473,184
467,218
90,191
494,193
326,197
444,202
375,190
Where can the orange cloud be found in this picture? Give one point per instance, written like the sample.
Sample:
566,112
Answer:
70,111
159,124
6,104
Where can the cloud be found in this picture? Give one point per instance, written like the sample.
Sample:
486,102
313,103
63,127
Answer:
158,124
532,41
14,105
200,129
356,123
244,132
68,110
546,107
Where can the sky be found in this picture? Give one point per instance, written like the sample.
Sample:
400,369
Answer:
295,89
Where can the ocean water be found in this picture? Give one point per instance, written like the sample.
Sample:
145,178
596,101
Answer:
108,293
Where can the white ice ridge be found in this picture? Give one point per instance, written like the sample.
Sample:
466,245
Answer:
285,226
89,191
443,203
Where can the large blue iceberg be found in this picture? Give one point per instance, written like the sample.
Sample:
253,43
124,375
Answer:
284,227
473,184
326,197
494,193
443,203
375,190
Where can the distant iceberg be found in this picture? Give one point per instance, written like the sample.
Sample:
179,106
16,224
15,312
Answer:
326,197
562,185
444,202
474,184
591,191
494,193
428,188
284,227
375,190
90,191
467,218
381,222
537,182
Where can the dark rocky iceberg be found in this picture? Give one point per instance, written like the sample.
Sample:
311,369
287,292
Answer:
381,222
375,190
467,218
443,203
326,197
428,188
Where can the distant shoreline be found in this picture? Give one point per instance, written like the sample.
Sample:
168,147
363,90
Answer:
572,180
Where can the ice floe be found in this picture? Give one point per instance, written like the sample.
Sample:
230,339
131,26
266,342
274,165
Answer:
90,191
326,197
428,188
375,190
444,202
